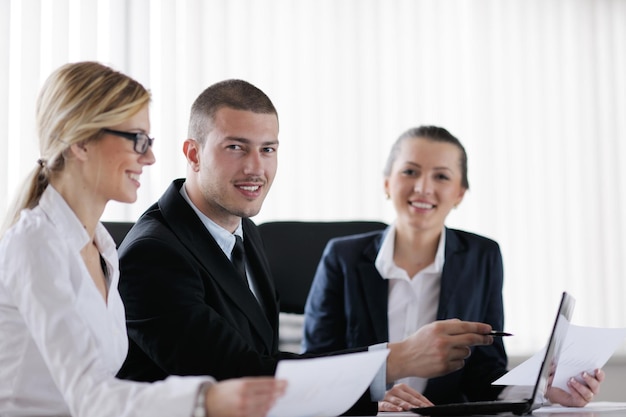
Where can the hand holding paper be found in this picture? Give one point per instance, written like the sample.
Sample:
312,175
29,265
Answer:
326,386
585,349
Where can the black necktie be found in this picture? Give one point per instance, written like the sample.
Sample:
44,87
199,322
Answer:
237,257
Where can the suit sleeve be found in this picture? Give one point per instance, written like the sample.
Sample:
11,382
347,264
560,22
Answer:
324,317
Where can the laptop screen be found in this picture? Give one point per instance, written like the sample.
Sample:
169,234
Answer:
545,374
553,349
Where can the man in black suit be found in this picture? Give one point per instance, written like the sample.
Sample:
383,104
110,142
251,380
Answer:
189,310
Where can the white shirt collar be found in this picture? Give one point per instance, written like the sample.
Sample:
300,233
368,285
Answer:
68,224
65,220
388,269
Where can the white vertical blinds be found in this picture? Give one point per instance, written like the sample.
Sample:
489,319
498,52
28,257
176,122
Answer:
535,89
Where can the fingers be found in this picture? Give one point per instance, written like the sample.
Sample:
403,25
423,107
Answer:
456,358
467,333
593,384
244,397
436,349
462,327
591,387
462,335
581,393
387,406
262,394
599,375
264,385
405,393
402,397
460,352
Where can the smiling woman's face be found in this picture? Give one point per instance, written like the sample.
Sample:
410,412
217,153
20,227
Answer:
117,167
425,183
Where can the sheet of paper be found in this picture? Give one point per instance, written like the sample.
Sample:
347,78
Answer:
592,407
525,373
584,349
326,386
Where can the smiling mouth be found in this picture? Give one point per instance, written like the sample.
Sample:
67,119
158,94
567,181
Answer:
134,176
250,188
420,205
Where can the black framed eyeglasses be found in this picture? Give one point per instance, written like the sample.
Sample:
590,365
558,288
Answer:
141,141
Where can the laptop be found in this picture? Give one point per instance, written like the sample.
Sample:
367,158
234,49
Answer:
525,406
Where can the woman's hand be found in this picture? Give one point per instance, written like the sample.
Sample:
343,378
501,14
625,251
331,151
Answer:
401,397
581,392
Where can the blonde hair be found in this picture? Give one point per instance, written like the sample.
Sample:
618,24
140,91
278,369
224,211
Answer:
75,103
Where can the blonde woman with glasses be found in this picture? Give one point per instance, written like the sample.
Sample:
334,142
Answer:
62,322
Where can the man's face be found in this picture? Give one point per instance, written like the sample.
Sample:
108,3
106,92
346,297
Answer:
234,170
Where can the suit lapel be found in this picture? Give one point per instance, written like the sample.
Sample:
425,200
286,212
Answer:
199,242
452,270
375,289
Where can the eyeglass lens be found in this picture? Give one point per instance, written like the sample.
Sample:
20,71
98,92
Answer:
142,142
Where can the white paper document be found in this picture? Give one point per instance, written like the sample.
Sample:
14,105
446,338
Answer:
584,349
326,386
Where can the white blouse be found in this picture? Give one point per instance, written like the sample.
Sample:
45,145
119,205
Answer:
412,301
61,344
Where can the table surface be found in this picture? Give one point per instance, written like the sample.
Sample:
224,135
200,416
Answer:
593,409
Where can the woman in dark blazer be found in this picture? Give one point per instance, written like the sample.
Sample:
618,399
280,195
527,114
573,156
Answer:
377,287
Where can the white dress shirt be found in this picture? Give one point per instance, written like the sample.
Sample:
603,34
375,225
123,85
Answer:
413,301
61,344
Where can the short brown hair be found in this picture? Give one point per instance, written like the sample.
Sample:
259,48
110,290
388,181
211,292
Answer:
234,94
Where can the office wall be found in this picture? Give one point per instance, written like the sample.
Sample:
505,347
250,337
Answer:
613,387
535,89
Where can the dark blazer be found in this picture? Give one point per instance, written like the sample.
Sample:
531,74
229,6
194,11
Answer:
347,306
188,311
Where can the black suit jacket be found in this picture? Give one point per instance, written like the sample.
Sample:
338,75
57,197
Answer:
347,306
188,311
